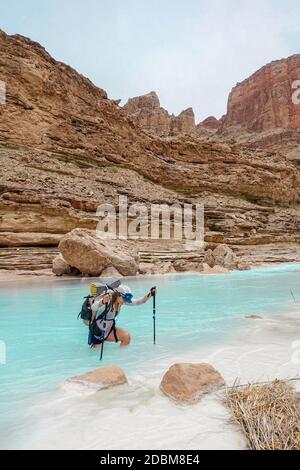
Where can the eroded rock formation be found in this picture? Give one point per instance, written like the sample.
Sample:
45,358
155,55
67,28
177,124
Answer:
146,112
211,124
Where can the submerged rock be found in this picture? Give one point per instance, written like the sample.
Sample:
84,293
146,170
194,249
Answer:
99,379
254,317
188,382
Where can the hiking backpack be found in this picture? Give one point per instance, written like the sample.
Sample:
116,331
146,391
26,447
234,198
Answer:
86,309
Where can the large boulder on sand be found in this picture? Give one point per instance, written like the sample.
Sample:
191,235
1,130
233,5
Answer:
84,250
221,256
60,266
224,256
98,379
188,382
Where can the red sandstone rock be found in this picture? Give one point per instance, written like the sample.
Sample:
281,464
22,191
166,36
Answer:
264,100
211,123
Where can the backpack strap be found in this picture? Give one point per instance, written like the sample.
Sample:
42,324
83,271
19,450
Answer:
102,318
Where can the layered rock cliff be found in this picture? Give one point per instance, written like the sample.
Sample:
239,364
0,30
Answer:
264,110
265,101
65,148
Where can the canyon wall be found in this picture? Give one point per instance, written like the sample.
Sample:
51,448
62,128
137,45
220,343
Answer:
65,148
264,100
264,110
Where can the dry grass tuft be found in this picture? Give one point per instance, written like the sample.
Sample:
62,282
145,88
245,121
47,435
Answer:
268,414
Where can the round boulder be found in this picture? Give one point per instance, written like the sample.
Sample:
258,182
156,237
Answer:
186,382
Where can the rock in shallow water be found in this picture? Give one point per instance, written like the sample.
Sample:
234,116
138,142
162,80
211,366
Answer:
186,382
99,379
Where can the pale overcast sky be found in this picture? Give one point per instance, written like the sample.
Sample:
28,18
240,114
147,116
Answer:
190,52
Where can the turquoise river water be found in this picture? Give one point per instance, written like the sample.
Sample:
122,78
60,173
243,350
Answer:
42,342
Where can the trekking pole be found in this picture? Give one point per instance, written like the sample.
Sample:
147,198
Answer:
104,329
154,312
101,354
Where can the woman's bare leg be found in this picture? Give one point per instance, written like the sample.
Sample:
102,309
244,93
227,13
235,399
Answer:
122,336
